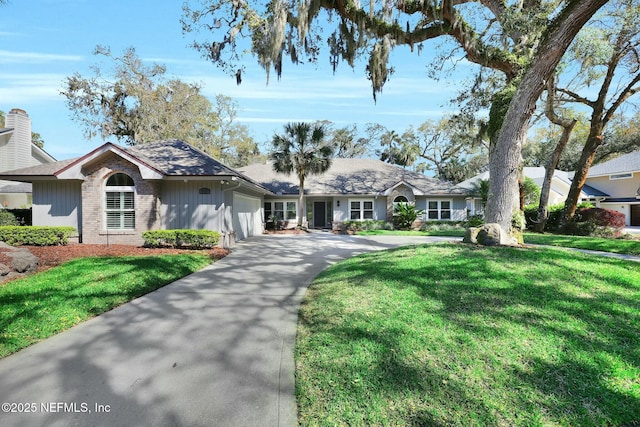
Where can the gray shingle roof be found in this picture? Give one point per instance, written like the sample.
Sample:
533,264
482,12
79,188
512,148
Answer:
625,163
349,176
170,158
47,169
177,158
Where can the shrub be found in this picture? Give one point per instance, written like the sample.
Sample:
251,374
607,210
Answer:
597,222
553,216
195,239
368,224
404,215
601,217
475,221
7,218
36,235
443,226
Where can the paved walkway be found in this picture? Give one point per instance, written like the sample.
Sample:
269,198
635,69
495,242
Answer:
212,349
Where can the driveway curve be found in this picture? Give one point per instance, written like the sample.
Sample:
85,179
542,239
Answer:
213,348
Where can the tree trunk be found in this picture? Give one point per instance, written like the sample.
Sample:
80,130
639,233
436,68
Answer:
586,159
505,153
301,206
541,219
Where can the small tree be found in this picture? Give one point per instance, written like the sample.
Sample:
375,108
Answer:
302,149
404,215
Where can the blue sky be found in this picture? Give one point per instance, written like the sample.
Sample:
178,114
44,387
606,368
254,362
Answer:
44,41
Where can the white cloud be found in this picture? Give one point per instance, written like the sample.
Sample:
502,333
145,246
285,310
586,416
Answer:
30,88
9,57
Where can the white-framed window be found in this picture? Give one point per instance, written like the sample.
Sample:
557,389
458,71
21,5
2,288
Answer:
119,202
621,176
360,209
281,209
438,210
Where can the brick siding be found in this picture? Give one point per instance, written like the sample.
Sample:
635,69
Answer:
147,203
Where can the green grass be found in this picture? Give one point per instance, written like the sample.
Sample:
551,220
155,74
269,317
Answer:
41,305
451,334
619,246
452,233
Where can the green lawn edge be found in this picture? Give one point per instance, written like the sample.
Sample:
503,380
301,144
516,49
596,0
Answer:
43,304
618,246
449,334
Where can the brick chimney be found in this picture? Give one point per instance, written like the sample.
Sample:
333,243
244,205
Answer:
16,153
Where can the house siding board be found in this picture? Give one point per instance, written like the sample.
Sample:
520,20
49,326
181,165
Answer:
459,209
184,207
380,209
616,187
57,203
340,213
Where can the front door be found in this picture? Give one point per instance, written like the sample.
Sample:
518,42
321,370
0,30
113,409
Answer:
635,216
319,214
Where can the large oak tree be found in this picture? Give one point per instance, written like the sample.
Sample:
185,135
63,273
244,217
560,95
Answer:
522,39
136,104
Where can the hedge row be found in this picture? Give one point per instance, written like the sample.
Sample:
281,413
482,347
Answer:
195,239
35,235
368,224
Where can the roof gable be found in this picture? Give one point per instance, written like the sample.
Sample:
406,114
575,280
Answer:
74,169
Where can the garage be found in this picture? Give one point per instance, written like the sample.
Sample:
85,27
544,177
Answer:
635,216
247,216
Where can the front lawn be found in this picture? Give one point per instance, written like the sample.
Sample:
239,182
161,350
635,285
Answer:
453,334
446,233
41,305
619,246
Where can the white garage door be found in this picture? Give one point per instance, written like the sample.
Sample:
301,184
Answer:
247,220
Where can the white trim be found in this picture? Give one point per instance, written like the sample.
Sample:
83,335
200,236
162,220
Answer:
121,190
284,208
362,210
416,191
624,175
438,210
75,171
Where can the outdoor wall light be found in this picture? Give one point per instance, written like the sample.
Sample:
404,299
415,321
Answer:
338,203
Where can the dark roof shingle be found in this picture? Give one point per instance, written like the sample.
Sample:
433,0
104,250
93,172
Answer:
349,176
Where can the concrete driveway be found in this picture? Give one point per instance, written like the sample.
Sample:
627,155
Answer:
212,349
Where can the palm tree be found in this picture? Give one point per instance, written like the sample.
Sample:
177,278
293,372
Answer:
301,149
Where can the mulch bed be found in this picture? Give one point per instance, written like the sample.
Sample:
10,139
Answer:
51,256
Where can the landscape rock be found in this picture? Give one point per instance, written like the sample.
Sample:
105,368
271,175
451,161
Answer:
471,235
23,261
4,270
489,235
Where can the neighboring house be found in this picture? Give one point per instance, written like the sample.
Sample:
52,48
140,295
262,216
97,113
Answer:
113,194
620,180
17,151
357,189
560,185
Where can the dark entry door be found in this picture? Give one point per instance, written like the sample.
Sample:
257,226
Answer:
319,214
635,215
